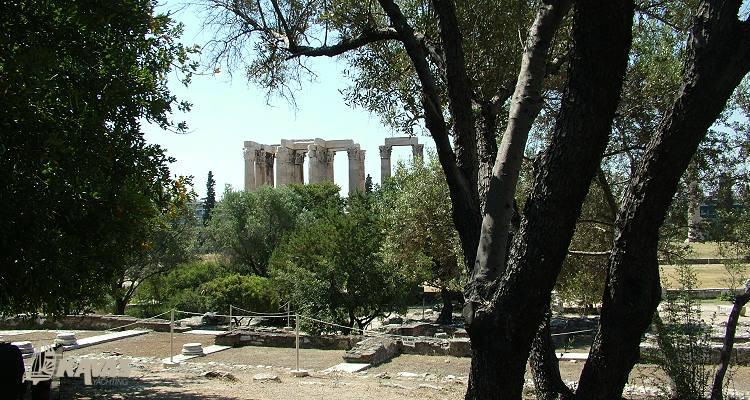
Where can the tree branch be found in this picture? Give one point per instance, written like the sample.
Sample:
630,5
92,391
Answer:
346,44
526,104
465,203
459,89
726,349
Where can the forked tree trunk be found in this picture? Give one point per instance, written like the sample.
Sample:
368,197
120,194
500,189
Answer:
718,59
503,325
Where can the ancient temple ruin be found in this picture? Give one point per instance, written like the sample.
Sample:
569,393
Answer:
417,151
289,157
283,164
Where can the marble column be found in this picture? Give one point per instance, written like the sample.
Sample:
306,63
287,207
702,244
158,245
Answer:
260,168
417,151
316,163
269,168
298,167
385,163
356,169
362,171
329,164
249,155
283,166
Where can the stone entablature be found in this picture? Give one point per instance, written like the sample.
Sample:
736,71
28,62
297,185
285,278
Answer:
417,151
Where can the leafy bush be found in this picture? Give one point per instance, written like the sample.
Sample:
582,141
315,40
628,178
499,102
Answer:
178,289
252,293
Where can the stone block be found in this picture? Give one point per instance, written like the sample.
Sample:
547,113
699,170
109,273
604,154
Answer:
374,351
459,347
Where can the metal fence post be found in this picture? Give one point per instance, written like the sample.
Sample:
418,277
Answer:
296,334
171,336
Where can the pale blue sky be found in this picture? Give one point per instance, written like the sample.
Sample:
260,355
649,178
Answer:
228,110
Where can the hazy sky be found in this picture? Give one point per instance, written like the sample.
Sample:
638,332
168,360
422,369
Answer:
228,110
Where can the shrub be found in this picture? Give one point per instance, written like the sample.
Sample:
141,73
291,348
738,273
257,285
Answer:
252,293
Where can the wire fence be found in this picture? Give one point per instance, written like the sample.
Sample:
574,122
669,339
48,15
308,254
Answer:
138,321
233,317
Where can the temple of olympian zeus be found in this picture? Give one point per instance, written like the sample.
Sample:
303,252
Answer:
281,164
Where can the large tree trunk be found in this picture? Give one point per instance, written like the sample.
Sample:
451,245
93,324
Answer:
718,59
120,305
503,326
545,367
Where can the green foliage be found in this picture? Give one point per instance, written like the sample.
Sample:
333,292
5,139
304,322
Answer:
253,293
79,181
330,267
169,239
247,226
582,277
683,338
180,288
419,233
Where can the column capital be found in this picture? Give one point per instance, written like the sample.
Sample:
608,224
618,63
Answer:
385,151
355,153
248,153
298,157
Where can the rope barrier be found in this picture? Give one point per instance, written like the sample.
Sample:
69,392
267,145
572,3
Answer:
137,321
382,334
257,315
365,332
572,333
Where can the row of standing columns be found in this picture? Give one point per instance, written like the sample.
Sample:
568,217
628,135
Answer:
287,161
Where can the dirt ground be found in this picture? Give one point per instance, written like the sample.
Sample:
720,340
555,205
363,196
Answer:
404,377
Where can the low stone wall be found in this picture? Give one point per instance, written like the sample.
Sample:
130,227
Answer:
286,339
92,322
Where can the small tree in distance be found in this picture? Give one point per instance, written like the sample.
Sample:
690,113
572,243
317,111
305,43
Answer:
210,198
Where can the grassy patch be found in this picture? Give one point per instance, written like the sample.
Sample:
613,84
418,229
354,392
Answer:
709,275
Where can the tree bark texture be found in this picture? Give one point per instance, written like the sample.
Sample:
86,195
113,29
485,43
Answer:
502,327
717,60
545,367
525,106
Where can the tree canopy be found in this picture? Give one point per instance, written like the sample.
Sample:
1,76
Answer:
419,233
331,266
78,80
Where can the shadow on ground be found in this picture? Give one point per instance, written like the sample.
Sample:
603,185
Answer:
133,388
